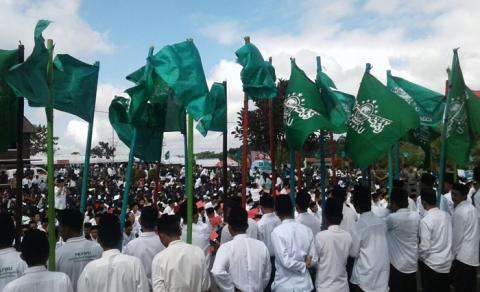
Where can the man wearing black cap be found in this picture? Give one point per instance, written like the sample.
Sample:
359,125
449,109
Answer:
242,263
333,246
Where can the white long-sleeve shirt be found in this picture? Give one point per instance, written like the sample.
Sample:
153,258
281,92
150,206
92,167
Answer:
446,203
252,232
333,246
145,247
73,255
435,248
113,272
38,279
293,243
242,263
402,239
11,266
180,267
349,218
370,250
466,234
265,225
200,235
310,221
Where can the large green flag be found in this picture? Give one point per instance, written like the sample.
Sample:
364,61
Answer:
258,75
74,82
302,109
380,118
338,105
149,136
8,102
473,107
458,134
215,111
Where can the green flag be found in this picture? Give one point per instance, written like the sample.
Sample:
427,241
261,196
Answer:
215,111
302,109
473,107
258,75
74,82
380,118
458,135
8,102
338,105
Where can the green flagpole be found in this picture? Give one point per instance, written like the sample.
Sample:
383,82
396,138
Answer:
443,148
50,169
396,161
131,159
390,170
86,163
189,179
323,172
293,190
225,150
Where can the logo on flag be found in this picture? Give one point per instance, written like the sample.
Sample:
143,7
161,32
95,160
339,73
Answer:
367,111
457,118
294,103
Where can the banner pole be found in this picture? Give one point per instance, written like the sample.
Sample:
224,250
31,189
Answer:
245,144
298,164
190,179
293,189
271,130
323,172
50,166
19,173
390,170
225,150
443,148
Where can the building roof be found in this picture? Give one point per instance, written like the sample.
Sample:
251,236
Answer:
27,126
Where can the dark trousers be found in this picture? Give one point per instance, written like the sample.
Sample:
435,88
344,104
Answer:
433,281
355,288
401,282
464,277
272,275
350,262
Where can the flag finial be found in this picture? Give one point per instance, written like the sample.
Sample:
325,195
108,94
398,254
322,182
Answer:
368,67
319,63
246,39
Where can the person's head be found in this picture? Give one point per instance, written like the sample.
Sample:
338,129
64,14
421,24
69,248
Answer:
267,204
7,227
184,211
284,207
361,199
398,199
476,173
210,212
94,232
34,248
448,182
128,227
313,207
429,198
333,211
71,222
427,180
109,233
148,219
169,230
459,193
339,193
302,201
237,221
229,204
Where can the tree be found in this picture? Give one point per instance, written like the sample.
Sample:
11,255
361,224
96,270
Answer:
75,153
38,140
103,149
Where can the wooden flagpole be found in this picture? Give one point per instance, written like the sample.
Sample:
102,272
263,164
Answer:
245,144
19,173
443,147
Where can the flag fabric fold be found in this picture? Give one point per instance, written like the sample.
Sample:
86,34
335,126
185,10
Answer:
8,101
214,117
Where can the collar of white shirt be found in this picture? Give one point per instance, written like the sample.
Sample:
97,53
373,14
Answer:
269,214
288,220
461,203
35,269
148,234
7,250
74,239
110,253
402,210
334,228
432,209
241,235
175,242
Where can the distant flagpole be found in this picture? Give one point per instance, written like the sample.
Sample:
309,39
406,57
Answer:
225,150
19,173
189,179
271,131
50,168
245,144
86,164
131,160
323,172
443,147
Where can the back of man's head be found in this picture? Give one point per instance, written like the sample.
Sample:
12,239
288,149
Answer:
427,180
169,225
284,206
339,193
428,195
7,230
333,210
238,219
109,233
461,189
266,201
361,198
303,200
71,218
399,196
148,218
34,248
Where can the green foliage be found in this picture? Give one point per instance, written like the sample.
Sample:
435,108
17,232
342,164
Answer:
38,140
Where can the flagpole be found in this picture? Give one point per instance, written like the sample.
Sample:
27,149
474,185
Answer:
333,156
298,164
19,173
323,173
190,179
390,171
293,190
50,168
86,163
225,151
271,130
366,172
131,160
245,144
443,147
396,162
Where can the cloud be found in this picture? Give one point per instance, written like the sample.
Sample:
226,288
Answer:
226,32
69,31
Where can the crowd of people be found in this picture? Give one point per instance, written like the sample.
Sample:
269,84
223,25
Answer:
360,237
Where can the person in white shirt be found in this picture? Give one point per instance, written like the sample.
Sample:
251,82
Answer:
76,251
435,248
180,266
476,196
294,248
11,265
34,251
466,237
128,234
60,194
200,231
114,271
243,263
302,202
402,239
147,245
446,202
333,246
266,224
225,236
369,246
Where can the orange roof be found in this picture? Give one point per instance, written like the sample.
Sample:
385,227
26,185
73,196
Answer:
477,92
